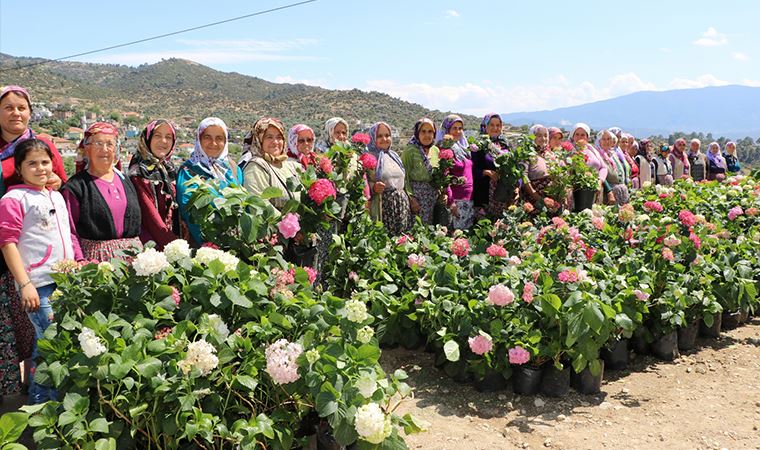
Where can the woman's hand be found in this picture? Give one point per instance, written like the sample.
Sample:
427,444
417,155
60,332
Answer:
610,198
379,187
454,210
30,299
491,174
414,205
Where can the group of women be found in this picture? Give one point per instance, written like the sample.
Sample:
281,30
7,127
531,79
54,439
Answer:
100,211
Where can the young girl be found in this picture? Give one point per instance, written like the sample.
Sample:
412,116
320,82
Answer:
34,235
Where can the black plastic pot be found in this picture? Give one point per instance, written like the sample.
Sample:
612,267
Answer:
666,346
730,320
616,357
743,315
441,214
457,370
583,199
503,192
492,382
301,255
687,336
555,383
587,383
440,358
526,380
639,344
714,330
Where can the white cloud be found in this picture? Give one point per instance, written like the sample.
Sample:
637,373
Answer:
739,56
699,82
711,38
748,82
451,14
217,52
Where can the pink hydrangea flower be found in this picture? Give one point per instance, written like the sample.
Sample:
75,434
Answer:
528,207
325,165
653,206
687,218
368,161
735,212
551,204
312,273
626,213
496,250
518,355
289,225
175,296
460,247
671,241
598,222
568,276
360,138
500,295
162,333
527,294
480,345
641,295
446,154
515,261
667,254
403,239
695,240
210,245
559,222
281,361
321,190
414,261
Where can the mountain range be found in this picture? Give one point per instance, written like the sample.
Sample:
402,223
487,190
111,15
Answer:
730,111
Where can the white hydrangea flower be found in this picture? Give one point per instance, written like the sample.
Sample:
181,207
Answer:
200,354
356,311
366,385
90,343
105,266
219,326
150,262
205,255
372,424
176,250
365,334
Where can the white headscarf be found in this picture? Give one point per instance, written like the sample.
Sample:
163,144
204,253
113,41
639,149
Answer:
582,126
215,166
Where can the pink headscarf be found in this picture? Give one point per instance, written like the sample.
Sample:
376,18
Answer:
16,90
293,139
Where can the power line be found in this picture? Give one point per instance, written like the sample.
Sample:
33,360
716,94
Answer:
279,8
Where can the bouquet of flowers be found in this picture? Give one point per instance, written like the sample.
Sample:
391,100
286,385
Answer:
582,177
441,160
349,175
510,165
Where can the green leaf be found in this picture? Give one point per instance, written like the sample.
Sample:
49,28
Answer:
451,350
326,403
148,367
270,192
105,444
99,425
593,316
413,425
12,424
66,418
233,293
247,381
368,353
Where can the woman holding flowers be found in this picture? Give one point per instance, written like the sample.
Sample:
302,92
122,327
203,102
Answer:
153,174
555,138
389,202
269,165
679,161
415,158
463,208
336,130
483,168
594,160
537,171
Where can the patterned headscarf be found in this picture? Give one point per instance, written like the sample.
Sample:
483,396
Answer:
216,167
97,128
258,131
10,147
415,140
555,130
534,129
327,133
375,151
450,120
486,119
293,139
146,165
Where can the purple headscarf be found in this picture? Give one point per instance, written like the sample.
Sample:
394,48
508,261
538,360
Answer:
446,126
487,118
717,158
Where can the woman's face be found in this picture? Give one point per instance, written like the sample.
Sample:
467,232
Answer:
426,134
273,143
625,144
555,140
580,134
456,130
714,149
162,141
542,137
694,147
14,114
383,138
340,133
650,150
730,149
213,140
681,146
493,128
101,152
305,142
606,142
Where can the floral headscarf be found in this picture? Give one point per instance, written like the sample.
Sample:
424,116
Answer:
257,138
216,167
97,128
448,121
375,151
555,130
486,119
293,139
145,164
327,140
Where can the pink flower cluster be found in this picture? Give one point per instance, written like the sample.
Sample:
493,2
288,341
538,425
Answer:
289,225
626,213
641,295
414,261
528,207
360,138
500,295
460,247
281,361
735,212
527,294
598,222
321,190
368,161
446,154
310,272
210,245
653,206
671,241
283,277
497,251
667,254
687,218
559,222
325,165
695,240
518,355
568,276
403,239
162,333
480,345
175,296
551,204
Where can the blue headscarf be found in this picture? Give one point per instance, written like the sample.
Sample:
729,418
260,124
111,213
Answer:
376,152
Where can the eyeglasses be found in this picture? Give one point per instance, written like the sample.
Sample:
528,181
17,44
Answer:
305,140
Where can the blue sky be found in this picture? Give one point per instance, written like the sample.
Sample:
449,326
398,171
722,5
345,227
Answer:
500,56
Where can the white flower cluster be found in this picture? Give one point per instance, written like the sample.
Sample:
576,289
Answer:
150,262
105,266
366,385
90,343
200,354
372,424
365,334
356,311
220,328
176,250
281,361
205,255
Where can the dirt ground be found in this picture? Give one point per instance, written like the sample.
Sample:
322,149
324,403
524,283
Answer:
709,398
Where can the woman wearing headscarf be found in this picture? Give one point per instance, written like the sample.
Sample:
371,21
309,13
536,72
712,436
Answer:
211,162
336,130
389,202
697,161
269,165
462,209
594,160
663,170
617,169
104,211
301,145
679,160
624,153
483,168
153,174
418,180
555,138
537,171
644,160
732,159
717,166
